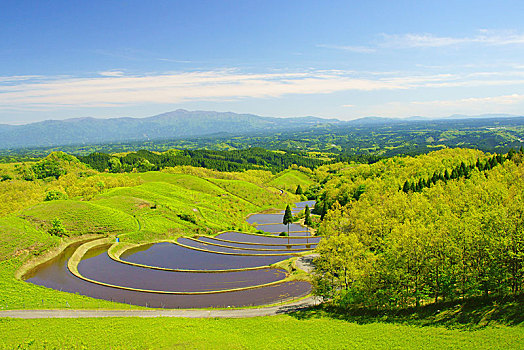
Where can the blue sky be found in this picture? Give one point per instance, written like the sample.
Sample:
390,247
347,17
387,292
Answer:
342,59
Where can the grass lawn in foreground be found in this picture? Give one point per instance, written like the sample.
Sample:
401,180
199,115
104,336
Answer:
277,332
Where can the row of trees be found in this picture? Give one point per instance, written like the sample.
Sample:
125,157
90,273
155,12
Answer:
239,160
458,172
460,238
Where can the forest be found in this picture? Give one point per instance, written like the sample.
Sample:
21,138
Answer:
407,231
251,158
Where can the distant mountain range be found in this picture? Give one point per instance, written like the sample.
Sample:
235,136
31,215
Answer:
178,124
171,125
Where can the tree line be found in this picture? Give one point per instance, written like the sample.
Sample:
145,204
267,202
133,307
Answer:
229,161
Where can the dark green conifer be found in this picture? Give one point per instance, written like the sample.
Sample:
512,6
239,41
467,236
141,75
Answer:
307,216
288,218
324,210
406,187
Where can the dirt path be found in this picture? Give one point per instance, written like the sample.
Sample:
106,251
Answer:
190,313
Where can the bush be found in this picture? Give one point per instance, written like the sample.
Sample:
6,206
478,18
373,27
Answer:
48,168
283,233
187,217
58,229
54,195
6,177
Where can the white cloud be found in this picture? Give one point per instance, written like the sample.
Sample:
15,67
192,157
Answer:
428,40
116,90
112,73
485,37
113,89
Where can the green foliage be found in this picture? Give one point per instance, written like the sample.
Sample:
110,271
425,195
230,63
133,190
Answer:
307,216
57,229
6,177
298,190
457,238
323,211
48,168
188,218
54,195
237,160
288,216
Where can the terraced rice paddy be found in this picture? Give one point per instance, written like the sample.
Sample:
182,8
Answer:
231,269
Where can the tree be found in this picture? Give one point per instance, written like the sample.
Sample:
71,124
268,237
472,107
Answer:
307,216
58,229
288,218
48,168
324,210
299,190
406,187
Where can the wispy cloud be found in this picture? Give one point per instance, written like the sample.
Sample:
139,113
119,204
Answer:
496,100
113,89
173,60
116,89
356,49
112,73
509,104
427,40
484,37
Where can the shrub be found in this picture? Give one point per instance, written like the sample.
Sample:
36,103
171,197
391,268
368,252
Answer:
58,229
54,195
6,177
187,217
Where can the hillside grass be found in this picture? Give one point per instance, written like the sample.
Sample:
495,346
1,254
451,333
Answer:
138,207
288,180
276,332
79,217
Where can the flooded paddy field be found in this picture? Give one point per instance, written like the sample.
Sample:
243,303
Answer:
172,256
202,286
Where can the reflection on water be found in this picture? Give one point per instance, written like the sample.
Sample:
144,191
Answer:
100,267
172,256
57,276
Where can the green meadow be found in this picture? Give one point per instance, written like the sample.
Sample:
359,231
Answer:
277,332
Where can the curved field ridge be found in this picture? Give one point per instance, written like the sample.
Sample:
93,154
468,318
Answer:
229,253
262,244
283,247
268,235
72,265
116,257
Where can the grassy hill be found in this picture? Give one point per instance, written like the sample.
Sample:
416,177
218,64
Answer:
135,206
289,180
